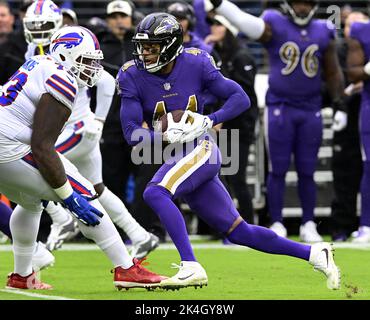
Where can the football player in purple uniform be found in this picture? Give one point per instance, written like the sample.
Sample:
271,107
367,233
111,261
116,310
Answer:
165,77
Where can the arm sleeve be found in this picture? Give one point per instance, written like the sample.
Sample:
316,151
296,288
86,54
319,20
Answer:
356,31
131,120
131,112
236,100
250,25
105,89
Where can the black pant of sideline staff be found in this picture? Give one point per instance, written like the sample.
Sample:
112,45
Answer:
237,184
116,166
347,172
143,214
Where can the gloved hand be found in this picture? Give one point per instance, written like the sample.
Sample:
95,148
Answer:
196,125
339,121
79,206
174,129
92,130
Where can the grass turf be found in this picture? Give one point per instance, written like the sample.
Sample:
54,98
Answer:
233,275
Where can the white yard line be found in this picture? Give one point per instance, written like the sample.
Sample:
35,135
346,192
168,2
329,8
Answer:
199,246
35,295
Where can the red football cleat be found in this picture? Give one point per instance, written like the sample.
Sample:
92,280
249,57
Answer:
136,277
16,281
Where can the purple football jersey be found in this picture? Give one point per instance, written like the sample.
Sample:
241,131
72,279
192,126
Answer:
181,89
295,58
361,31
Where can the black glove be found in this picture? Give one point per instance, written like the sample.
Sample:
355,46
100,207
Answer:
216,3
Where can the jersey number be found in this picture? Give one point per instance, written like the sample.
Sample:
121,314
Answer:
11,89
160,108
290,55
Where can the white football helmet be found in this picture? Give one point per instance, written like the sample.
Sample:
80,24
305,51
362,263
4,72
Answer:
42,19
77,49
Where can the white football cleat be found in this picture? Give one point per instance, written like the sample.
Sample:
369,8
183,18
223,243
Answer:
3,237
322,259
362,235
308,233
190,274
61,232
279,229
42,258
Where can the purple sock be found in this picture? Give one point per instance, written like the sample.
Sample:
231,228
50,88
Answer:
263,239
307,195
365,195
5,213
275,196
160,200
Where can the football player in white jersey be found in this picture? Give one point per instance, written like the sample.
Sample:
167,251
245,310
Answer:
36,103
79,142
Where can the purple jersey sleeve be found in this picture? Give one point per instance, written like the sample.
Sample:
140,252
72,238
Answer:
356,31
131,112
236,100
270,15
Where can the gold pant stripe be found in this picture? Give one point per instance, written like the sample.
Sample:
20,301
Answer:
204,150
237,221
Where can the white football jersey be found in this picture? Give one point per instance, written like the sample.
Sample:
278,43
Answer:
81,108
20,96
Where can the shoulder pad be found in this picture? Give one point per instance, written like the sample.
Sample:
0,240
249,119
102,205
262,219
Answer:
128,65
193,51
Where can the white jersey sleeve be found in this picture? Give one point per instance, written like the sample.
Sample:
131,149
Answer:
62,86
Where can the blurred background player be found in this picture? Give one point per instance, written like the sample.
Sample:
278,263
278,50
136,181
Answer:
79,141
184,12
33,172
165,77
300,49
6,21
359,71
13,49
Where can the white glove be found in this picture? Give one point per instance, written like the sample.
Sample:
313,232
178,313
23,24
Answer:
93,130
339,121
367,68
175,130
196,125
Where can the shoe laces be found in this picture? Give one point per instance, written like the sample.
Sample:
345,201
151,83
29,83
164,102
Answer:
176,266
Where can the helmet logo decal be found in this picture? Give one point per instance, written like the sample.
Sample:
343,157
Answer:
167,25
69,41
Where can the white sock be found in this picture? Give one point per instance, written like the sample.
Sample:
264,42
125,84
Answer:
121,217
56,212
107,238
24,225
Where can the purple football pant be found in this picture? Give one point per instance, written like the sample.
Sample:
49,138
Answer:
198,184
365,149
5,213
298,132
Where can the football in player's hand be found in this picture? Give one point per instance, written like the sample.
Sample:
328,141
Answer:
176,115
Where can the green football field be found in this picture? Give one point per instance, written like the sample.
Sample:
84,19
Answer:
235,273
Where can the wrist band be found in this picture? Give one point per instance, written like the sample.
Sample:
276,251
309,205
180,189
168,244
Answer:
64,191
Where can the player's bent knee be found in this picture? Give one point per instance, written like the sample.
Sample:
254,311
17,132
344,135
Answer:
154,193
